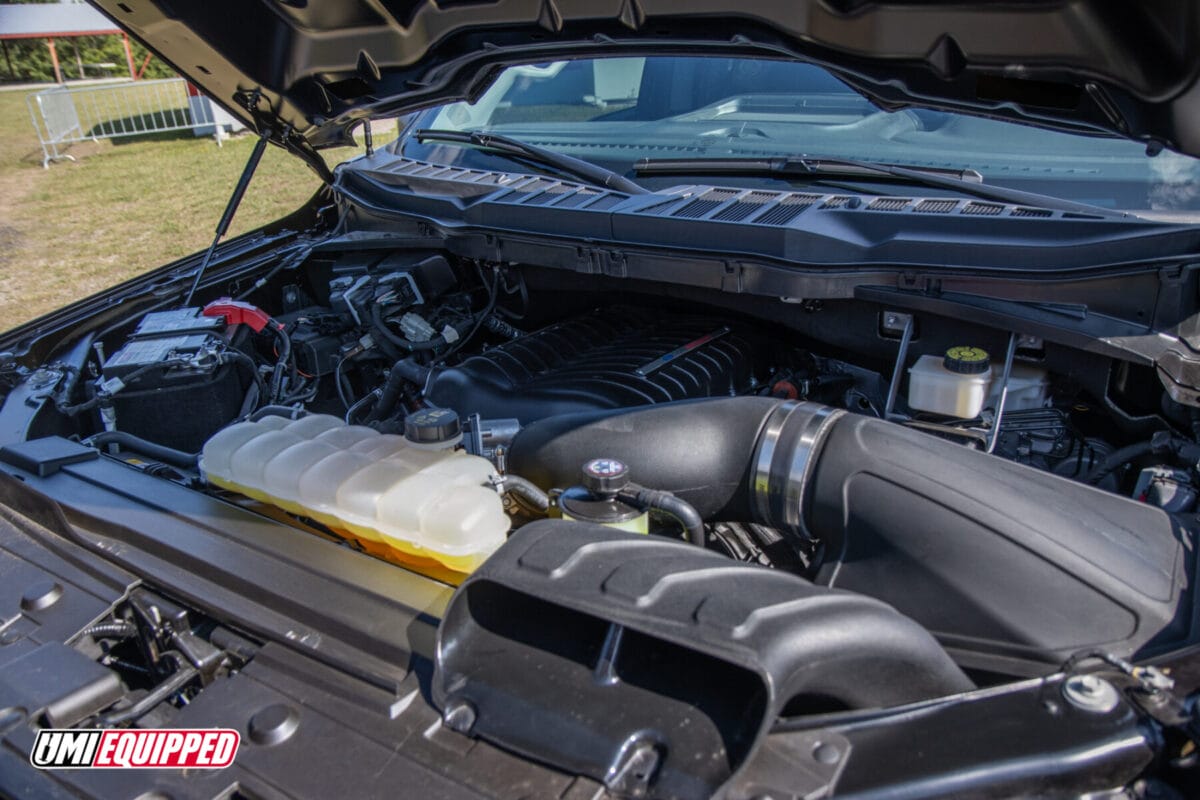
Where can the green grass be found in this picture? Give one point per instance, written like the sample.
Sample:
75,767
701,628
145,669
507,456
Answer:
124,207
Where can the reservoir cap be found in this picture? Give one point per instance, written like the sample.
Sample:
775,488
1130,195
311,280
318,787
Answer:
605,476
967,360
433,426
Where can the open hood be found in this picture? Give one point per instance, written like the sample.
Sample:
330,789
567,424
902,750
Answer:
310,70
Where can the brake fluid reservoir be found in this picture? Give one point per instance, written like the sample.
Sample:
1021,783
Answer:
954,385
412,499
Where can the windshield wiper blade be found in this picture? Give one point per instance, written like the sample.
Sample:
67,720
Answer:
968,182
575,167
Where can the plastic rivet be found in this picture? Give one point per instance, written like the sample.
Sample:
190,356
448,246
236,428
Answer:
274,724
41,596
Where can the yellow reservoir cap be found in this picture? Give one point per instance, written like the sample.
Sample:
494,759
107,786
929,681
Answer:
967,360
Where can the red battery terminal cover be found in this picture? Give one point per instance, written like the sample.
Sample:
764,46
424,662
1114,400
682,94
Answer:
239,312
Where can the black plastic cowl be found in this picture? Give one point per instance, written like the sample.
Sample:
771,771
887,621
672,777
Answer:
632,658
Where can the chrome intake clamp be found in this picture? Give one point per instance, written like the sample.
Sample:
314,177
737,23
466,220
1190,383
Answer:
784,457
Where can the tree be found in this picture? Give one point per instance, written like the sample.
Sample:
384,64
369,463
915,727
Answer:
30,58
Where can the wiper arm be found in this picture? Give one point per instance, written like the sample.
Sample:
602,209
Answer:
968,182
575,167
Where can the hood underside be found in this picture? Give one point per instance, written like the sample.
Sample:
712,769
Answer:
309,70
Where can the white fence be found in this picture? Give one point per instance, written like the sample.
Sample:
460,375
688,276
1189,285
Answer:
64,115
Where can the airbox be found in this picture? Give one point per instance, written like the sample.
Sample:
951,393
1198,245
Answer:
655,666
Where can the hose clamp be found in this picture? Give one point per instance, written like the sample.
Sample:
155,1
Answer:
784,459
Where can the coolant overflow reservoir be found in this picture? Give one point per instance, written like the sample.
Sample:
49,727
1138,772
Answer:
425,505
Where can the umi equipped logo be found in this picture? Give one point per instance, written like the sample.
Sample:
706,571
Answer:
152,748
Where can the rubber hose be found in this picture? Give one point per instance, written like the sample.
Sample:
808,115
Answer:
182,677
239,357
1117,459
111,630
404,370
527,491
399,341
281,364
278,411
683,512
158,452
384,343
249,402
88,405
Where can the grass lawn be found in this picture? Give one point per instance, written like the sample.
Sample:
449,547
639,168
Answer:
122,208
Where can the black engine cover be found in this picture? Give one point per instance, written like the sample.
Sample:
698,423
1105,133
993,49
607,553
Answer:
609,358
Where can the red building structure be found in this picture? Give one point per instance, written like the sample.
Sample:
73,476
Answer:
53,21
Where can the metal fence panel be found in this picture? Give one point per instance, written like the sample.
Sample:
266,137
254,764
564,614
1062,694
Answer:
56,120
65,115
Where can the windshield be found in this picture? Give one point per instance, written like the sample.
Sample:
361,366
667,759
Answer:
616,111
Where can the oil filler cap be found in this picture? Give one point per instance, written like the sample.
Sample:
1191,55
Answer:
967,360
438,427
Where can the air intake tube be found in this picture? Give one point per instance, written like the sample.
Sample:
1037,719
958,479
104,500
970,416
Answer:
943,533
797,466
744,458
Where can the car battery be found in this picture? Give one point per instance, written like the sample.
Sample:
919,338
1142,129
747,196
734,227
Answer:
178,406
139,355
179,321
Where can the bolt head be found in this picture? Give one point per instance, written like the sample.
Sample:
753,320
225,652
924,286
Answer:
826,753
1091,693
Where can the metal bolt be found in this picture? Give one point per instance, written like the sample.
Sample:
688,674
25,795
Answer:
1091,693
826,753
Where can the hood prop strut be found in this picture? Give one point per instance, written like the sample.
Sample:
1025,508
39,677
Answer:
231,207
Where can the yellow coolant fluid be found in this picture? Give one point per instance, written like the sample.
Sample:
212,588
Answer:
421,504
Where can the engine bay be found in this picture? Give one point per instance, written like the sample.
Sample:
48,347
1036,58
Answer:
421,408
